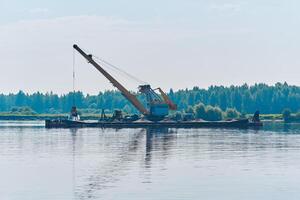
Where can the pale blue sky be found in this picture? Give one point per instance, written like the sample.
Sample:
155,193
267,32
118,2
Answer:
178,43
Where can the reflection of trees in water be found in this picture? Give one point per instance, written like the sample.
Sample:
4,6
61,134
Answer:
104,175
222,143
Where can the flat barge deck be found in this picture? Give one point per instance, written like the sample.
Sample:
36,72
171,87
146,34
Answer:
244,123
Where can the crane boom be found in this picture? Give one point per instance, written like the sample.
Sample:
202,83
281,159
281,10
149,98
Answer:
132,98
168,101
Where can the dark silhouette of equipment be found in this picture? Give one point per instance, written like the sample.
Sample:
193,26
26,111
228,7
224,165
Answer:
103,115
118,115
256,117
74,116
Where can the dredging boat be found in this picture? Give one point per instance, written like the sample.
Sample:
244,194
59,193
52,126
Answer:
154,115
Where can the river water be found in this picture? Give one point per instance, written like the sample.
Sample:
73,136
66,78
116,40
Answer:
128,164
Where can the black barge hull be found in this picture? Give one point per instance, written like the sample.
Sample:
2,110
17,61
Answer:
162,124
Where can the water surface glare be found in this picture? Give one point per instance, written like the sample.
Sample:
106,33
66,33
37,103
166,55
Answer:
128,164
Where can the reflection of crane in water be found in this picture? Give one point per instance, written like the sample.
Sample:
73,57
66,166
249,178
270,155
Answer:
73,131
104,175
161,135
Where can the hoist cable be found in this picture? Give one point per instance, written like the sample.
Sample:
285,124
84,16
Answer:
120,70
117,69
74,76
117,72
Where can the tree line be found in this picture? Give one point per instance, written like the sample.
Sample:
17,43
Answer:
245,99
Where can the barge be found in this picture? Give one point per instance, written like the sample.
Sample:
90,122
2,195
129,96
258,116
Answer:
156,111
242,123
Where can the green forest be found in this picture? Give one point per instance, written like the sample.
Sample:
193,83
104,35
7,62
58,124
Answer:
245,99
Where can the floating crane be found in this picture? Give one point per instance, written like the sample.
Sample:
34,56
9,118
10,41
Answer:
158,108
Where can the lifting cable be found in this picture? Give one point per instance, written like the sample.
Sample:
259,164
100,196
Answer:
117,69
120,70
74,76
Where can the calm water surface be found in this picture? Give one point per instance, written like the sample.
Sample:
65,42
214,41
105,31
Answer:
63,164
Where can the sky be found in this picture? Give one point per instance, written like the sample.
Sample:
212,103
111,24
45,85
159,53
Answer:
167,43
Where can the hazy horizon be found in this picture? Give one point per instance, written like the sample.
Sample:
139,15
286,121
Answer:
170,44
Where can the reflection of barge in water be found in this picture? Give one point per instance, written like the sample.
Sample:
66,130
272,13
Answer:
243,123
